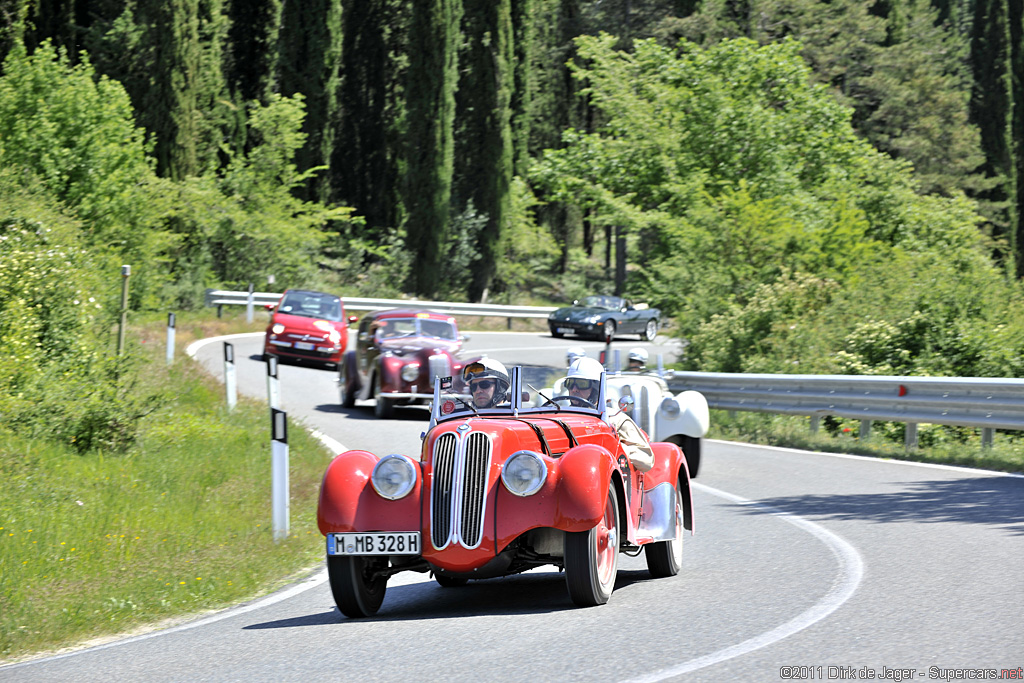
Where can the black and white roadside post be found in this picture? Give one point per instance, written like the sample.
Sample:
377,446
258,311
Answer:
273,388
279,472
249,303
230,387
170,338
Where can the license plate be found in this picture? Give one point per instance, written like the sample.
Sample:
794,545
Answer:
305,346
565,330
376,543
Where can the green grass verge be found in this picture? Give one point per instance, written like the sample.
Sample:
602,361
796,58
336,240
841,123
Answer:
101,544
941,445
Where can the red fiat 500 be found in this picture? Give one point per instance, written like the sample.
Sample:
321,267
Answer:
307,326
497,491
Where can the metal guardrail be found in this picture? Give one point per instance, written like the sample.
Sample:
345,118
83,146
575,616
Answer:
979,402
220,297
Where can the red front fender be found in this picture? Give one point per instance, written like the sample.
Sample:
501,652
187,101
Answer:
572,499
348,501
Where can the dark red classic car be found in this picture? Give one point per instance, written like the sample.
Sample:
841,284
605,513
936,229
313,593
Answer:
307,326
491,492
397,355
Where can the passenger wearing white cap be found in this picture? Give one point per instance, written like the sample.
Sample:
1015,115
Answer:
583,380
637,359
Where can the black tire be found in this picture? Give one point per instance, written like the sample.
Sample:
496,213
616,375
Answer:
690,446
665,558
355,593
607,330
592,557
449,581
385,407
556,334
650,331
348,392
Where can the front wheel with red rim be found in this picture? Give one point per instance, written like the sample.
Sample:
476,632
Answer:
592,557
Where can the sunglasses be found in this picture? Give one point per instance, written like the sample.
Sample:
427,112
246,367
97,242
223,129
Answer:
582,384
484,384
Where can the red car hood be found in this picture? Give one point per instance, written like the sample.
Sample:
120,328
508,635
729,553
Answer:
300,323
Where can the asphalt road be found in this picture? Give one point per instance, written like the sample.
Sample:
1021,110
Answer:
804,566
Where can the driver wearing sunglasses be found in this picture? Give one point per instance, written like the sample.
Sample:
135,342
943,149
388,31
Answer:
487,381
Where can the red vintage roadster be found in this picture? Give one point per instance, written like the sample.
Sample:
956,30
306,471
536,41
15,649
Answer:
498,491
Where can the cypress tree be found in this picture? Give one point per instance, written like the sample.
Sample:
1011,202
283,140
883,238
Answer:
523,38
1016,17
485,140
430,92
992,110
169,106
308,61
252,39
364,167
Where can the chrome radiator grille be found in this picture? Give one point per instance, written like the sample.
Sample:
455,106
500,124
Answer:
459,496
439,366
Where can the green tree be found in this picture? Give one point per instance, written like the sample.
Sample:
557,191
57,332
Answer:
308,57
76,133
992,111
252,39
484,143
432,79
365,166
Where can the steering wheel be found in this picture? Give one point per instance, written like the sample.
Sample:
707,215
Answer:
574,400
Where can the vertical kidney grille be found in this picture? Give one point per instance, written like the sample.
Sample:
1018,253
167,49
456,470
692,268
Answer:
459,496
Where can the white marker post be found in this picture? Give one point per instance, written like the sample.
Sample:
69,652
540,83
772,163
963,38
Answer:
170,338
249,304
273,388
279,472
230,387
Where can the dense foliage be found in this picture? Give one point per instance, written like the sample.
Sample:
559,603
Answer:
801,185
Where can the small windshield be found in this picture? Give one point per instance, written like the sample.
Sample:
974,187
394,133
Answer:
312,305
453,400
609,303
393,328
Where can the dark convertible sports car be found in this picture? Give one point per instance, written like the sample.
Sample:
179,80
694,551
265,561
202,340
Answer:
603,317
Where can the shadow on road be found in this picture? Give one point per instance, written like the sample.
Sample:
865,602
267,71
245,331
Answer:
992,501
535,593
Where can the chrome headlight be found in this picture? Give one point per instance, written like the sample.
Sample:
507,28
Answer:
524,473
393,476
410,372
278,328
670,407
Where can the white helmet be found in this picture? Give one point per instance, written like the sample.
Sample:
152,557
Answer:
585,368
574,352
638,355
488,368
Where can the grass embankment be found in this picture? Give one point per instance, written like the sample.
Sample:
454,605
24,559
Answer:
102,544
941,445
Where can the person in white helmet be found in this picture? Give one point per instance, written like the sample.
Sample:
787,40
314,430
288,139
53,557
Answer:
574,352
637,359
488,382
583,380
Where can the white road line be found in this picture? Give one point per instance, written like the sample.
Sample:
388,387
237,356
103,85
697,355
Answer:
851,571
875,459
